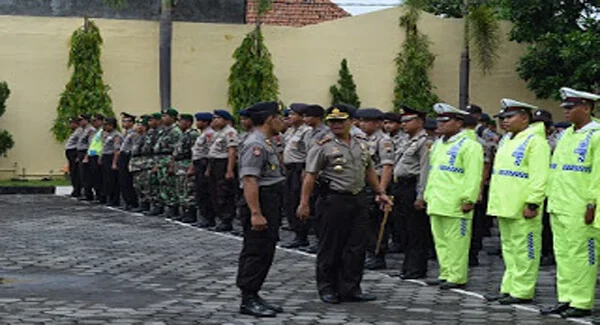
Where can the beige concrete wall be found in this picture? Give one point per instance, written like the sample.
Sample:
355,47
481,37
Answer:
34,53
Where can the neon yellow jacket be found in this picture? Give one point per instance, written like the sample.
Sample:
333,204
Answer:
575,172
520,172
455,175
95,148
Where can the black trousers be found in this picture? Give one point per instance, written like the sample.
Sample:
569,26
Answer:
342,242
126,180
375,218
74,173
85,175
110,178
293,179
203,193
258,248
222,191
397,223
96,178
547,240
480,223
418,229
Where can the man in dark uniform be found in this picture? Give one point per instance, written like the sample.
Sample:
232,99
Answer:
138,164
410,175
123,159
71,154
151,188
344,165
206,215
93,157
263,183
112,140
83,145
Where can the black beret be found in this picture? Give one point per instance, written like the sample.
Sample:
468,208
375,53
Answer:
298,108
391,116
99,116
127,115
86,117
207,117
469,120
542,115
223,114
111,120
314,111
369,114
244,113
264,109
411,111
474,109
187,117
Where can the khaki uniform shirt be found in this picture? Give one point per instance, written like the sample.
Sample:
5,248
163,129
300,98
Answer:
84,140
295,148
111,142
259,158
128,140
381,149
73,140
202,144
413,159
223,140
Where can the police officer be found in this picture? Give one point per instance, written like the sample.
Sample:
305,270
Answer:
573,194
294,158
184,177
222,159
453,186
517,192
71,154
138,164
93,157
246,126
410,176
206,216
344,164
123,159
263,182
83,144
151,188
381,149
112,140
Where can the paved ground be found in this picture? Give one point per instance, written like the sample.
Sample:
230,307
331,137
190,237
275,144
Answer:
65,262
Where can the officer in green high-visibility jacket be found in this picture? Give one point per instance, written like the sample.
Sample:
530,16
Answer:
573,192
517,193
456,169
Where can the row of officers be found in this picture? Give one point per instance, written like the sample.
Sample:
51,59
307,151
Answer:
325,174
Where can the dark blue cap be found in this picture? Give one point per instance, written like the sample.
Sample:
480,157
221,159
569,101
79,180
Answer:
314,111
485,117
207,117
264,108
369,114
298,108
223,114
244,113
286,112
411,111
430,124
391,116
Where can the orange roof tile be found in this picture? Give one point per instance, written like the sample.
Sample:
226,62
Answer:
296,13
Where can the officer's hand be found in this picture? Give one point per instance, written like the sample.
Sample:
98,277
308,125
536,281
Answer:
303,212
115,167
420,204
229,175
590,215
467,207
530,214
86,160
259,222
385,202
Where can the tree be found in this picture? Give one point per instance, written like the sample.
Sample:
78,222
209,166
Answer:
165,43
564,44
6,140
251,77
345,90
481,35
86,91
412,85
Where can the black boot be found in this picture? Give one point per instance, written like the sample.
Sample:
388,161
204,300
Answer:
252,305
189,215
155,210
300,240
375,263
204,222
223,226
144,206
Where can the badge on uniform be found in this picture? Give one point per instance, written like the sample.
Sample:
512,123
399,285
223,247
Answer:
388,146
257,151
338,168
335,150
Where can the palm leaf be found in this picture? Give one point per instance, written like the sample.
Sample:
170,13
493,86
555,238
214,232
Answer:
484,36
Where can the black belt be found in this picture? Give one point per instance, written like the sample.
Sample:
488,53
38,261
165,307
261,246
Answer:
355,193
405,179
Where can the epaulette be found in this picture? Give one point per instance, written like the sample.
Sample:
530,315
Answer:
361,137
324,140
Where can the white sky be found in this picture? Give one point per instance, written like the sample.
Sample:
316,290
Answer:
357,7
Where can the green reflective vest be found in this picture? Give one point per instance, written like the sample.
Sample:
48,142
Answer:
575,172
95,148
520,172
455,175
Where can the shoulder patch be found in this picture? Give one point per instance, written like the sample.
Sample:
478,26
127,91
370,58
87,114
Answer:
257,151
361,137
323,140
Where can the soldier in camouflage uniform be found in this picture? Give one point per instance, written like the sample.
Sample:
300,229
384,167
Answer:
163,151
138,164
150,188
182,159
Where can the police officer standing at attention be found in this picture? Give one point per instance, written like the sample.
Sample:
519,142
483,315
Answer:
263,182
93,157
410,176
112,140
223,156
294,157
123,159
517,193
83,144
71,154
206,216
150,189
573,194
344,165
453,187
381,149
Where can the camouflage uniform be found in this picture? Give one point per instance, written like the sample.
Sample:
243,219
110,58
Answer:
150,186
184,183
138,166
163,150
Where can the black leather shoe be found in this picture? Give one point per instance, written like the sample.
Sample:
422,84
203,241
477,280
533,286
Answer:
559,308
253,307
275,308
156,210
575,313
223,227
312,249
450,285
375,263
297,242
434,282
510,300
205,222
362,297
412,276
330,298
496,297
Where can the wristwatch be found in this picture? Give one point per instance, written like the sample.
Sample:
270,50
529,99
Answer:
532,206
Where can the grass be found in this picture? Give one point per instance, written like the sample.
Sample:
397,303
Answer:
35,182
